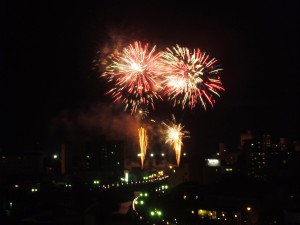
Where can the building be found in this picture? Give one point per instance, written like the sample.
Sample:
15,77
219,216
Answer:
264,159
17,167
104,158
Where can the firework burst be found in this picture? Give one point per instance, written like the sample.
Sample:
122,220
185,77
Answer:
142,113
190,77
174,136
134,72
143,140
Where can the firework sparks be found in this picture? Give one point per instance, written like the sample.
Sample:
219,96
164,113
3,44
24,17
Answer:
134,72
143,139
174,136
190,77
142,113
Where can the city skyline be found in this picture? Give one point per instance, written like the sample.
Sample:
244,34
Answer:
50,90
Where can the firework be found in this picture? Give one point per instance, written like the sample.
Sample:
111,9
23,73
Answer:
174,136
142,113
134,72
190,77
143,139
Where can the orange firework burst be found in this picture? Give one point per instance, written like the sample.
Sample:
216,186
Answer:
174,136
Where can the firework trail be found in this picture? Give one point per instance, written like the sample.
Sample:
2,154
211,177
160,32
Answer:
174,136
143,139
134,72
142,113
190,77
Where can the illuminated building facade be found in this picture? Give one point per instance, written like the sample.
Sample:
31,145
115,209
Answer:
264,159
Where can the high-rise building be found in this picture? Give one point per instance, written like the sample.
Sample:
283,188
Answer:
263,159
104,157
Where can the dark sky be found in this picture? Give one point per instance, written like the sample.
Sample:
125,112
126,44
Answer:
48,87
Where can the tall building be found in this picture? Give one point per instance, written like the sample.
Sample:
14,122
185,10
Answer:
256,153
228,157
264,159
59,159
104,157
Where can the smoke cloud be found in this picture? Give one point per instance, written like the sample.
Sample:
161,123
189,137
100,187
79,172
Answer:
109,121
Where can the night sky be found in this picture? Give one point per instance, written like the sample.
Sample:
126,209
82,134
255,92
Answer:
49,88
